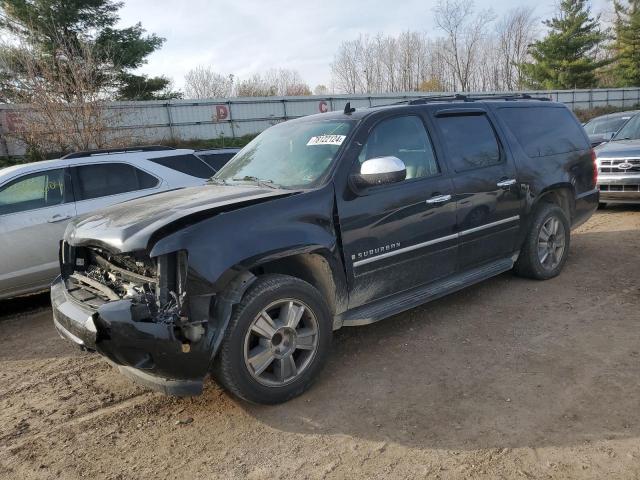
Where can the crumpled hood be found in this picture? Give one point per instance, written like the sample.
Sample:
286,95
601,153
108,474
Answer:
128,226
621,148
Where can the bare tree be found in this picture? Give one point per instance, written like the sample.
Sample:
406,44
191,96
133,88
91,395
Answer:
346,67
279,81
515,32
465,32
321,90
205,82
66,107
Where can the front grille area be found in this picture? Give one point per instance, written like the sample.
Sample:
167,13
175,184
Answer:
620,188
612,166
95,276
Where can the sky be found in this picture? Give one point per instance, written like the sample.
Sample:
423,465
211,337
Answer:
243,37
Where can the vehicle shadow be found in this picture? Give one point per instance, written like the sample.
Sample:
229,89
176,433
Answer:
24,305
507,363
27,332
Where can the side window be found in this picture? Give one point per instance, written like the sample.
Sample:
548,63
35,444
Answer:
406,139
104,179
470,141
544,131
188,164
216,160
36,190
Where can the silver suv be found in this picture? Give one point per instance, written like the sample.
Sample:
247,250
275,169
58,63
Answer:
619,165
37,200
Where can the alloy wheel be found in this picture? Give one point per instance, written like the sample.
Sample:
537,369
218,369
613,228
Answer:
551,243
281,342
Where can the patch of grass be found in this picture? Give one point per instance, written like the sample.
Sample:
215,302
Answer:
8,161
220,142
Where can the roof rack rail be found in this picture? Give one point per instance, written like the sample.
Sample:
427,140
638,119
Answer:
473,98
111,151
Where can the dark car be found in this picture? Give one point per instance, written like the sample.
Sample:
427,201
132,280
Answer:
338,219
619,165
602,129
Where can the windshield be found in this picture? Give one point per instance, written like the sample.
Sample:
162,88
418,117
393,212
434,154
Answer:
630,131
290,155
605,125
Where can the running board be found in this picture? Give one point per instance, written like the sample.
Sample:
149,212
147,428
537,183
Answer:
395,304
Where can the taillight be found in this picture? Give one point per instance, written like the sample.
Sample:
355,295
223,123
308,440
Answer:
594,159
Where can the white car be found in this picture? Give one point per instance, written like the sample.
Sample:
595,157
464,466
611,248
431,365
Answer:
37,200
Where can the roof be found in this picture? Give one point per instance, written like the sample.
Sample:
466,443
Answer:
360,113
14,170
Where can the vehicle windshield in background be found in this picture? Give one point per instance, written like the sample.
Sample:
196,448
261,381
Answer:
630,131
605,125
290,155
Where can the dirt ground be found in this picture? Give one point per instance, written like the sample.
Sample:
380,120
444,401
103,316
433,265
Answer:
511,378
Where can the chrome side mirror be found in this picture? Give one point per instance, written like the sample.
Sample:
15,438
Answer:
379,171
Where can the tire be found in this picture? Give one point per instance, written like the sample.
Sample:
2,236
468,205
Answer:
256,334
532,263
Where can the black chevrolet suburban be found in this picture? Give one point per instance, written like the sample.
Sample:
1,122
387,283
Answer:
338,219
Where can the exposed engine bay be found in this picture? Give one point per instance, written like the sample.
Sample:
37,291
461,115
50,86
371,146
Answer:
155,287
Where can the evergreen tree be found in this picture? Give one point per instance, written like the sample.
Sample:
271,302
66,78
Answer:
566,57
45,26
626,44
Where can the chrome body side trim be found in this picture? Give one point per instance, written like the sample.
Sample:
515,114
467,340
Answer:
489,225
434,241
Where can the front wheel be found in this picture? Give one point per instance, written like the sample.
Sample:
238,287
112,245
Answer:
277,341
546,246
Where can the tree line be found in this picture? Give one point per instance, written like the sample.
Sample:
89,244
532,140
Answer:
477,51
74,51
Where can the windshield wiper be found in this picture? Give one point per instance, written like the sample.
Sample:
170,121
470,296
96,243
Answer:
217,181
259,181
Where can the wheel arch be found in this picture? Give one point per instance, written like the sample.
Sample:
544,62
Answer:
562,194
318,268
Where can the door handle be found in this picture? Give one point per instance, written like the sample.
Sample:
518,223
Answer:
506,183
58,218
438,199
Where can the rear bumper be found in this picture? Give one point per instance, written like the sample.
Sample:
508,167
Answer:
146,352
619,188
585,205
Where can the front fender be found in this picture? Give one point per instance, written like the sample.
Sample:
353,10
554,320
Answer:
225,244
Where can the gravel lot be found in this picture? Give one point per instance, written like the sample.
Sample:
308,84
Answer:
508,379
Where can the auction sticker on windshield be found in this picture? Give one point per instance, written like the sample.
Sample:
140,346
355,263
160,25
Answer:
327,140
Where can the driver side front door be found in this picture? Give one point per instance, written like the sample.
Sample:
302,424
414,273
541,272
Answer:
401,235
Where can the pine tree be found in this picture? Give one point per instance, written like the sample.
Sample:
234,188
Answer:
42,26
565,58
626,44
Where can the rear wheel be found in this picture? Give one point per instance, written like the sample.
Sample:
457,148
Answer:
546,246
277,341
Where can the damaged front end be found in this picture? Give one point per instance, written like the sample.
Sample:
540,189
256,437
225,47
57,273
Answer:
139,313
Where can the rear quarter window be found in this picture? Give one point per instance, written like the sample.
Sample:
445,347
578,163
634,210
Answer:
216,160
544,131
187,164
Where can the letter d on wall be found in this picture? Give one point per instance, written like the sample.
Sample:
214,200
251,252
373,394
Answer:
222,112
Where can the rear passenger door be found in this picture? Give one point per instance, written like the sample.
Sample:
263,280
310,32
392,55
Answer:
99,185
485,185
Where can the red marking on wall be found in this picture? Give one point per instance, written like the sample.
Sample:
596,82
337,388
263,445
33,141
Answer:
12,122
222,112
323,106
